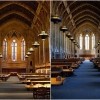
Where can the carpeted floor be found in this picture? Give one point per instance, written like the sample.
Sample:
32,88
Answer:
13,89
84,84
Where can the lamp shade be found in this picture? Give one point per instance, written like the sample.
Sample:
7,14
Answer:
74,41
0,55
35,44
31,49
43,35
64,29
68,35
71,38
28,53
55,19
26,56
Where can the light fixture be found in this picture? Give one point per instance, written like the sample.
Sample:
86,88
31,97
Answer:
1,55
35,44
26,56
31,49
71,38
74,41
28,53
64,29
68,35
43,35
55,19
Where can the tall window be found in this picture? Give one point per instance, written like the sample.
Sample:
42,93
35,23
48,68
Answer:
87,42
4,49
93,41
14,50
80,41
23,49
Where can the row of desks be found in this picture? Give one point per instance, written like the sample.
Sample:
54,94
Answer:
39,84
60,69
4,77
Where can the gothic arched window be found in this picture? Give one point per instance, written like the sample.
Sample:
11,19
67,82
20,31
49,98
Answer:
80,41
93,41
87,42
23,49
14,50
4,49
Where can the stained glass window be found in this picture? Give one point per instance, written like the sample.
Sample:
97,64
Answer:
87,42
4,49
14,50
23,49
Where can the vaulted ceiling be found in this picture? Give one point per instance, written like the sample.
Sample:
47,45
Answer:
34,14
76,13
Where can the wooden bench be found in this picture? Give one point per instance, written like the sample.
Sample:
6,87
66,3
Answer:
96,62
56,76
23,77
4,77
68,65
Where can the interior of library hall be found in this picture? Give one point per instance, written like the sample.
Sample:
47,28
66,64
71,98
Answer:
24,50
49,49
75,49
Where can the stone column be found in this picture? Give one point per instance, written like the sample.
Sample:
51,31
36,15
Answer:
57,35
53,40
33,60
26,58
60,44
1,43
90,43
0,63
65,45
55,46
68,45
83,43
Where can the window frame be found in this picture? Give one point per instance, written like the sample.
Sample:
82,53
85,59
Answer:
23,48
14,50
5,49
87,42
